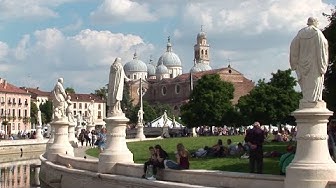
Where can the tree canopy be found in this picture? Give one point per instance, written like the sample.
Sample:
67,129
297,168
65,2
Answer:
209,102
70,90
330,77
272,102
33,113
46,111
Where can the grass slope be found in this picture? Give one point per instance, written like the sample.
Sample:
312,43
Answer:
233,164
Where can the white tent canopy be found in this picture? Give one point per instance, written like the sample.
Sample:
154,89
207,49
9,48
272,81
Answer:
164,120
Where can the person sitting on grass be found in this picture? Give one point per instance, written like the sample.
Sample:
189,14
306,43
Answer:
152,160
161,155
182,159
286,159
217,150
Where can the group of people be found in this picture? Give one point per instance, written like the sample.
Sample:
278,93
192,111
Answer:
93,138
159,159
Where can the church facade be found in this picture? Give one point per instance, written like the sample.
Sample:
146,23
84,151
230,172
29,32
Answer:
165,83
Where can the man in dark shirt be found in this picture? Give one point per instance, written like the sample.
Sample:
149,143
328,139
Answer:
255,139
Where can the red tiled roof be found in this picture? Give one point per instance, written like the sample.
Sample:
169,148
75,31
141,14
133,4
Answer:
38,92
85,97
9,88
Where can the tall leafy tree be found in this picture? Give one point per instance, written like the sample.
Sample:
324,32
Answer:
101,92
127,102
209,101
70,90
271,102
149,113
330,77
46,111
33,113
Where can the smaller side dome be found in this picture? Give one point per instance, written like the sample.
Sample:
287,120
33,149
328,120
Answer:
150,68
203,66
161,69
195,69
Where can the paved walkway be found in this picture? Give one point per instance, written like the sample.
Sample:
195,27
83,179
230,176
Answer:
80,152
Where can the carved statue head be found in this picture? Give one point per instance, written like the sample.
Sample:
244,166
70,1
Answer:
312,21
60,80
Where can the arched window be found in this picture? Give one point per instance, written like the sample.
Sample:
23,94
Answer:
177,89
164,90
202,52
206,52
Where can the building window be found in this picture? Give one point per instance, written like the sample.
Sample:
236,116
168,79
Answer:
74,105
13,126
75,113
14,101
19,126
19,112
134,76
177,89
206,52
13,114
202,52
85,105
2,111
99,106
20,101
230,71
9,100
164,90
99,115
25,113
80,105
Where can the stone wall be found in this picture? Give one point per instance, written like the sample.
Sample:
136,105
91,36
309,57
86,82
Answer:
22,146
70,171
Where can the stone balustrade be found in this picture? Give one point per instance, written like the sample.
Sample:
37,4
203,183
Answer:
75,171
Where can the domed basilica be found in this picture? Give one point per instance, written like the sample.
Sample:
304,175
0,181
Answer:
165,83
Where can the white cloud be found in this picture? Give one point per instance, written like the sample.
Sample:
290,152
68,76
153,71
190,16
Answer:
254,16
83,59
111,11
29,9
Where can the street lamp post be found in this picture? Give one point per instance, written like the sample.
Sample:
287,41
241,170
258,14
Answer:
140,133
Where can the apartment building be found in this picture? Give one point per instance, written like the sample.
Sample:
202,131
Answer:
14,108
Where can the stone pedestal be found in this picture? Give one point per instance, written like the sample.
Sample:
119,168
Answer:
51,139
61,143
165,132
116,150
140,132
39,135
312,166
72,138
194,134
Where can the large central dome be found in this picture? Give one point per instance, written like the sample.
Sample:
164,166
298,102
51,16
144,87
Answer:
169,58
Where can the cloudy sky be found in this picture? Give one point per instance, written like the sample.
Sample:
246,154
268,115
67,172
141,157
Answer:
41,40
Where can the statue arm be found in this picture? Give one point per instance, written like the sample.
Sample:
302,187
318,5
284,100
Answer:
294,53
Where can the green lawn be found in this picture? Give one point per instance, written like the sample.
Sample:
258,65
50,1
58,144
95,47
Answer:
140,153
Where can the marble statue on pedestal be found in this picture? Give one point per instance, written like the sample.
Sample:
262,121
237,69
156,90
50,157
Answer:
69,110
58,98
91,112
309,58
39,117
115,87
140,116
